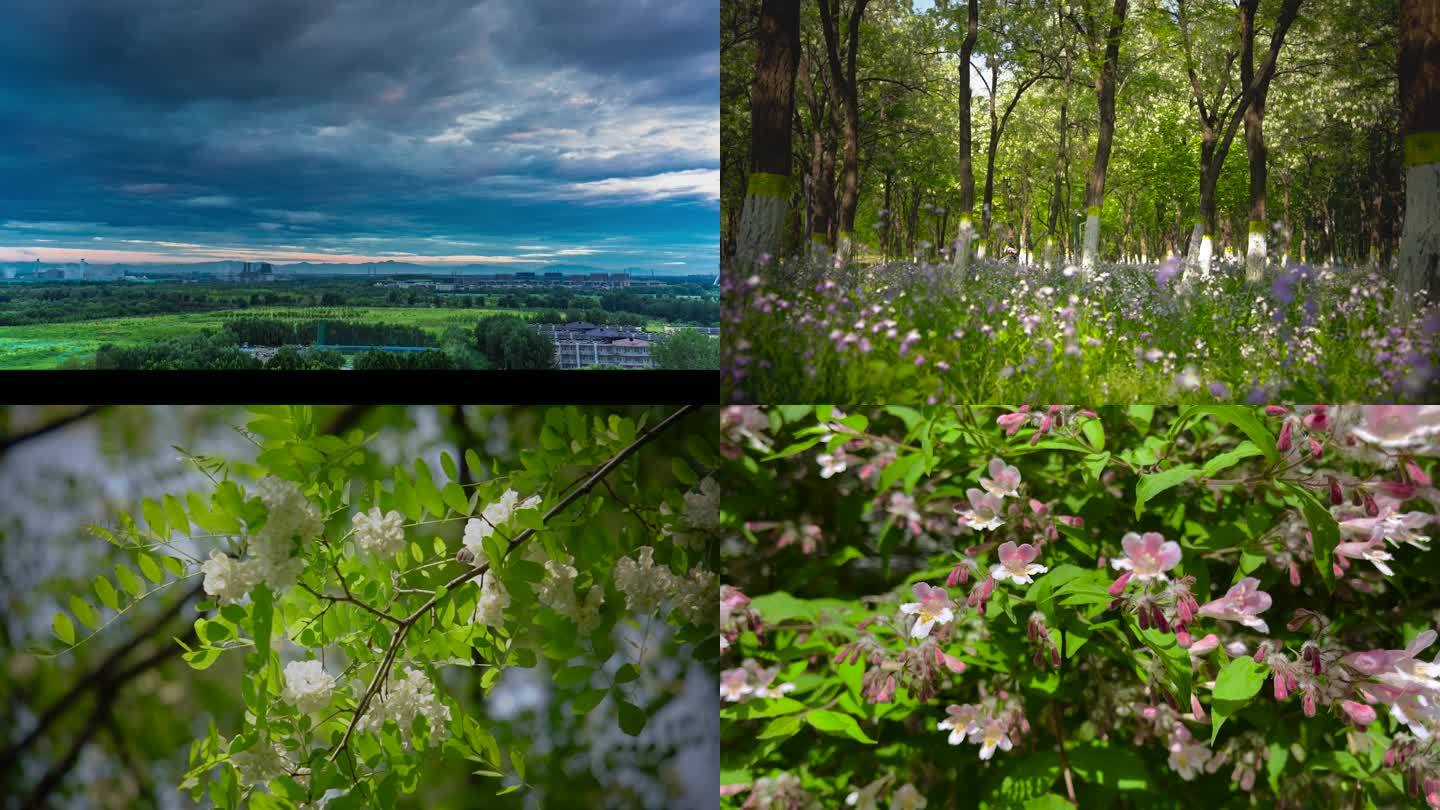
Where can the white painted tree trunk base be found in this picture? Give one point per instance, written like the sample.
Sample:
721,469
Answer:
1255,257
1198,259
1419,264
762,231
1089,253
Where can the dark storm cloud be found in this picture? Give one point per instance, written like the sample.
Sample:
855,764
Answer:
279,121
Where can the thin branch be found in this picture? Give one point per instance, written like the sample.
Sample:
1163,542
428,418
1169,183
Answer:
10,442
397,639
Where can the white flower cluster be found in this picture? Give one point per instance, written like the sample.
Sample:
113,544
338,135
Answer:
307,686
379,534
702,504
493,601
695,597
405,699
557,592
495,515
290,516
261,763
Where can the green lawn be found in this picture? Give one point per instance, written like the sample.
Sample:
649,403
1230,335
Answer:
46,346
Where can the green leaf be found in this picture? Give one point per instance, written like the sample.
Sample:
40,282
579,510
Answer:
757,709
793,449
1241,416
780,728
682,472
574,676
1237,683
447,463
632,718
64,628
837,724
454,497
1229,459
1324,531
517,761
1141,416
154,518
106,592
1153,484
150,568
626,673
1094,431
476,467
587,700
262,614
1115,767
175,513
425,489
83,612
128,580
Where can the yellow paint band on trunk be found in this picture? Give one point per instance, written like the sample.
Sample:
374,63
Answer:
1422,148
817,237
1256,226
846,234
1092,211
764,184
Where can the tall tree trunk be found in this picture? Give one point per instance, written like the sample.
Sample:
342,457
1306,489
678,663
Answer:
1254,145
772,111
1420,128
847,93
1062,163
967,174
987,212
1105,91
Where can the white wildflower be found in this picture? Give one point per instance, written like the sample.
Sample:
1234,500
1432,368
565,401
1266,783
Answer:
307,686
226,578
493,601
702,504
261,763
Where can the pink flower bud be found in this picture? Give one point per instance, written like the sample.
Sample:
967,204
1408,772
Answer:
1307,702
1183,638
958,574
1371,508
1396,489
1118,586
1275,410
1417,475
950,662
1037,507
1359,713
1144,616
1280,686
1336,496
1198,709
1315,449
1157,619
1390,757
1262,651
1283,443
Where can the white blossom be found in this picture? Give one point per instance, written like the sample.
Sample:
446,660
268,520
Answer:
377,534
307,686
697,597
643,582
493,601
702,504
226,578
404,700
493,516
261,763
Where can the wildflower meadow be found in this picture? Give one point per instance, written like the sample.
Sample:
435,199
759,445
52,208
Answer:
1215,605
924,331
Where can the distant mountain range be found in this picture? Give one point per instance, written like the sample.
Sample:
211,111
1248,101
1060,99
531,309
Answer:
364,269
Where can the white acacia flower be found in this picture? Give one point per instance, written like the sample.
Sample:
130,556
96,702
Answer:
702,504
379,534
492,517
226,578
643,582
490,610
260,764
307,686
403,700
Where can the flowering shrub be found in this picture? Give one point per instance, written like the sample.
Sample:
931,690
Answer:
1218,605
358,601
907,332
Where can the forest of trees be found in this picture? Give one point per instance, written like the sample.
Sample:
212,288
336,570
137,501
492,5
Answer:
1083,130
270,332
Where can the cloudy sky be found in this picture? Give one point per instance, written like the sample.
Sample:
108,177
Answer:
510,132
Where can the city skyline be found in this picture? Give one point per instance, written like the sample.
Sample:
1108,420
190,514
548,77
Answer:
496,132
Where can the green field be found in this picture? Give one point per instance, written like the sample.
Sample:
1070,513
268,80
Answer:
47,346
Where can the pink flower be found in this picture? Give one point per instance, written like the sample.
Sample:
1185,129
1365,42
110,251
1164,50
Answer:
1359,713
1012,422
1241,604
984,511
734,685
933,608
950,662
1004,480
1017,563
961,722
831,464
1372,550
992,736
1149,555
1398,426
